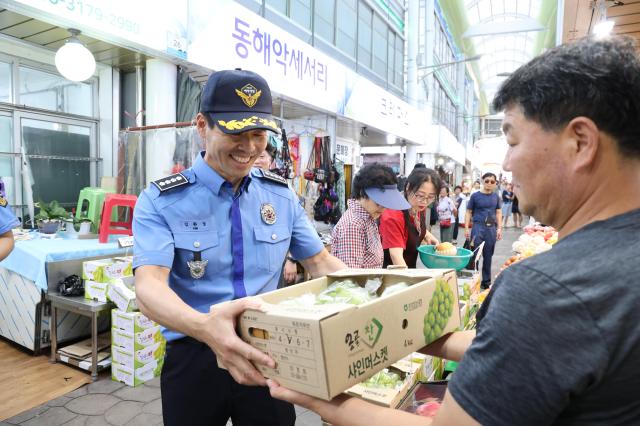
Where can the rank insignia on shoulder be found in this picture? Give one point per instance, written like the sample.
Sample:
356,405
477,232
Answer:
273,177
3,202
170,182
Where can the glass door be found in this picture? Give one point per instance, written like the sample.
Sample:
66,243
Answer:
57,156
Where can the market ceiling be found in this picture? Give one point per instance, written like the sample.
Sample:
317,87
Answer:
506,33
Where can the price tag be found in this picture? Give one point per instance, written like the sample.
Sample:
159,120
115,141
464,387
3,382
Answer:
125,242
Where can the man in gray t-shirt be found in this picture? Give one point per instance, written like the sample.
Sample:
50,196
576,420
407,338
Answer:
558,338
558,341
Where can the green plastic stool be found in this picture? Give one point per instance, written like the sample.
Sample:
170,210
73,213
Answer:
90,204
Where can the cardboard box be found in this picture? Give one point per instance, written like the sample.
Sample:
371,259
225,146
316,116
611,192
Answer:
132,342
95,291
103,270
135,376
140,357
407,368
122,296
322,350
131,322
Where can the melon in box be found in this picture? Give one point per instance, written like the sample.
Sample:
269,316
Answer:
132,342
135,376
131,322
322,350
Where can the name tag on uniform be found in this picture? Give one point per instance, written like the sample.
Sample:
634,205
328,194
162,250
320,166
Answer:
194,225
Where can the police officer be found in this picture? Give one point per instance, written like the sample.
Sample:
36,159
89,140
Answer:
220,231
8,221
484,208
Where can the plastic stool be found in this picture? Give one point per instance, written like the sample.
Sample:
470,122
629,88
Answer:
94,198
112,201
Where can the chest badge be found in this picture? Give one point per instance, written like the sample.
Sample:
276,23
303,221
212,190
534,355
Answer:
197,266
268,214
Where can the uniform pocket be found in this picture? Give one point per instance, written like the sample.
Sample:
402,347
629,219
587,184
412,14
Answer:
187,243
272,244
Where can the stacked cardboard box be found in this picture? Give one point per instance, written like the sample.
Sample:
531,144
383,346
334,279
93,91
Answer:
137,348
97,275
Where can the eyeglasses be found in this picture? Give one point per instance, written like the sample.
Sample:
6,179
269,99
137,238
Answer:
489,181
422,198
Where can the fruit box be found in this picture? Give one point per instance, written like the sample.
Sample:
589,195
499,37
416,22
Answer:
322,350
407,368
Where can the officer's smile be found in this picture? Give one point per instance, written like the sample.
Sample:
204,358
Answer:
240,158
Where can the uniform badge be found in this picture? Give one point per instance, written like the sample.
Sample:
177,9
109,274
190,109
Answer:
268,214
249,95
197,268
3,202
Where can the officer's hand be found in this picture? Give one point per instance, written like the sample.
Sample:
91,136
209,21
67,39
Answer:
236,355
290,271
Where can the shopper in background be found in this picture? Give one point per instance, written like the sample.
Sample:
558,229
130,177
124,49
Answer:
507,199
457,199
403,231
483,209
266,157
515,210
558,340
355,239
476,187
217,232
447,212
8,221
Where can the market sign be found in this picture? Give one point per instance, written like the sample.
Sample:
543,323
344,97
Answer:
229,35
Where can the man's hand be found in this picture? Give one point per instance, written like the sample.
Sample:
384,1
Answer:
219,332
290,271
467,232
499,234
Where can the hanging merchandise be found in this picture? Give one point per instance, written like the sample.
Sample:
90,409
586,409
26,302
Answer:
284,168
294,153
326,208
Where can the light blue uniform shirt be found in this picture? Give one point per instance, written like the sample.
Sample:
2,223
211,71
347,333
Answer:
244,252
8,220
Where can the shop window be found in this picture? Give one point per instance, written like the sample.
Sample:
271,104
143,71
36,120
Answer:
391,50
5,82
399,78
365,15
347,26
58,156
277,5
301,12
379,46
43,90
6,159
324,22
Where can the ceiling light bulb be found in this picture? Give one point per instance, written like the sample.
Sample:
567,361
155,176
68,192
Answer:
440,161
74,61
603,28
391,139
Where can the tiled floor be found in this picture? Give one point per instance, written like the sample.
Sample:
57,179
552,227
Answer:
108,403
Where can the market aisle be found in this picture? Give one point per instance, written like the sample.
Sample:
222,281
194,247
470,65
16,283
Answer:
109,403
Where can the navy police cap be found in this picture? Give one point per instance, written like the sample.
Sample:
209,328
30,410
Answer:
237,101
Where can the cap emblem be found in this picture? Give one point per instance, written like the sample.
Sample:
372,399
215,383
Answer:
249,95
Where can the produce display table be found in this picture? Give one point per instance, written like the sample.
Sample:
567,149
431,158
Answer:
80,306
33,269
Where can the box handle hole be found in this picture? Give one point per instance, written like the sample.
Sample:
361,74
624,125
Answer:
259,333
405,323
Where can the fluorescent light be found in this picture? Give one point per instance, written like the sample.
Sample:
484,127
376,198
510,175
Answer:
73,60
603,28
391,139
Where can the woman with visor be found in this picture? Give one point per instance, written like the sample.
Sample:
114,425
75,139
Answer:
403,231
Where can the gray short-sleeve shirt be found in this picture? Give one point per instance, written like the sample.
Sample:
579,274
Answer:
558,339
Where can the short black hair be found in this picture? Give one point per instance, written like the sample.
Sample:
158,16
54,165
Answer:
419,166
271,149
418,177
457,187
374,175
594,78
488,174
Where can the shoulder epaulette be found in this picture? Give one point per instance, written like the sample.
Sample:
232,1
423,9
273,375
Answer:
273,177
170,182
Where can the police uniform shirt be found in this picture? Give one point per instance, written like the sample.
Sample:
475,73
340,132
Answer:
244,237
8,220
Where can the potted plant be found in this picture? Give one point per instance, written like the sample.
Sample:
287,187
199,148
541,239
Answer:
50,216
